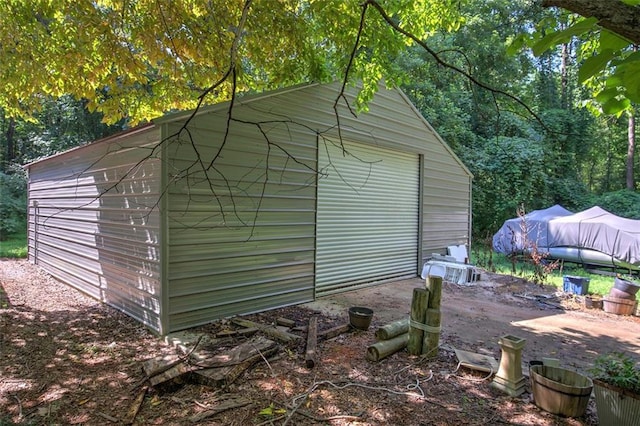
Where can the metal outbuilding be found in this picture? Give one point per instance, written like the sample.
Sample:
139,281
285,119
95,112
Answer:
286,197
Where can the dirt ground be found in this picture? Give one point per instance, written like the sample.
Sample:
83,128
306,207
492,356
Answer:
67,359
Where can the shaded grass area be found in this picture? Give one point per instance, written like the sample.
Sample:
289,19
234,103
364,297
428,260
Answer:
15,246
599,283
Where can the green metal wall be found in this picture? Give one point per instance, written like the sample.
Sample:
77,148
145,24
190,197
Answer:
94,221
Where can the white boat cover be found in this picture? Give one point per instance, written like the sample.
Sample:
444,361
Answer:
517,233
597,229
592,236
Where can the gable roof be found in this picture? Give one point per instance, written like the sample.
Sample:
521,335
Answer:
257,97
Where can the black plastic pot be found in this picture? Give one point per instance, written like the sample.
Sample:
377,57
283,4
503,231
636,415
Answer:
360,317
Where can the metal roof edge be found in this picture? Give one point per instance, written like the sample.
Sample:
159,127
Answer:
240,100
138,129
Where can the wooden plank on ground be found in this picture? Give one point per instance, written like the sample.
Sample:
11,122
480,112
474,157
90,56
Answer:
164,368
286,322
225,368
134,408
269,330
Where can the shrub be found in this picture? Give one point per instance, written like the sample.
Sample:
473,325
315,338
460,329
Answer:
617,369
623,203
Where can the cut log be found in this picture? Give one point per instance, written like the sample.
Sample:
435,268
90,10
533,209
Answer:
227,404
312,342
383,348
334,331
269,330
225,368
418,310
393,329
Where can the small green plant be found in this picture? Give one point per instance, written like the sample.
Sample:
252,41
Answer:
617,369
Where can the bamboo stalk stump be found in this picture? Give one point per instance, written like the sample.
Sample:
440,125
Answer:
509,378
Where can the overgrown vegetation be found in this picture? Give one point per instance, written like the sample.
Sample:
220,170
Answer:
13,203
15,246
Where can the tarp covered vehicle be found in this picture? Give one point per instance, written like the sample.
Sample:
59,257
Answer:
593,236
518,234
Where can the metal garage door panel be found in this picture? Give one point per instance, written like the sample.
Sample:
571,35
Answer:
367,225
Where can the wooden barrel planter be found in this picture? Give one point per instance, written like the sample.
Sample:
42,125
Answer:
560,391
626,286
593,302
619,294
615,305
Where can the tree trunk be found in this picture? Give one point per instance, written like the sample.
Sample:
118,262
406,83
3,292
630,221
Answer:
631,150
613,15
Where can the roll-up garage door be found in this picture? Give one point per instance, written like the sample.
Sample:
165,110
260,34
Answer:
367,217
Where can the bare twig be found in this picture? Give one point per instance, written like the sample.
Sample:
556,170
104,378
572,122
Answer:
19,405
107,417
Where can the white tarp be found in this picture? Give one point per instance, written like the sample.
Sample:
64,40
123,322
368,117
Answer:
597,229
516,235
593,236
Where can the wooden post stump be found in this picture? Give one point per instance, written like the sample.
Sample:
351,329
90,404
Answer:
433,317
312,342
418,311
431,341
434,285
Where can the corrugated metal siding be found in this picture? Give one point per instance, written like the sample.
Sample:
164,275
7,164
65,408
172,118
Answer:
446,208
393,122
367,220
242,235
239,237
296,116
446,182
93,222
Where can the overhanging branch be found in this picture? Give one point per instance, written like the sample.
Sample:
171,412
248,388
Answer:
614,15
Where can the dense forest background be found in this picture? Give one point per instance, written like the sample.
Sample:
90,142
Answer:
567,152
